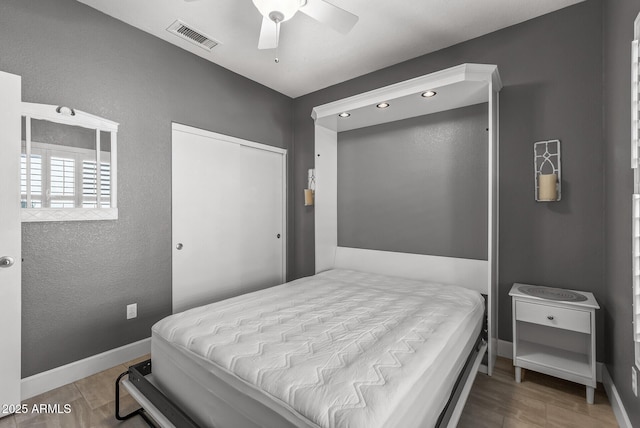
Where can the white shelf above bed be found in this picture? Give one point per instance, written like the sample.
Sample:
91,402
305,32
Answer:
456,87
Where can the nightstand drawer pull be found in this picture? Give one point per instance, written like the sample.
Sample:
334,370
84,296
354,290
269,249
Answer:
564,318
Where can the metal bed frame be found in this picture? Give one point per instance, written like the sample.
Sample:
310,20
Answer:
138,379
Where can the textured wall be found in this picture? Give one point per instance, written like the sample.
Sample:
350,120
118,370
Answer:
78,276
551,68
618,34
417,185
43,131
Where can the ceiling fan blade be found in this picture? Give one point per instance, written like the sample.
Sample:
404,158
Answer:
333,16
268,34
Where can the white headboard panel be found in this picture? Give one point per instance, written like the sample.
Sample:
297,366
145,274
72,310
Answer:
467,273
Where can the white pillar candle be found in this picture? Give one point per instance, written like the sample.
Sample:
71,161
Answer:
308,197
547,187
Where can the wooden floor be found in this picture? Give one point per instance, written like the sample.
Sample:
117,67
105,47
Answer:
497,401
539,401
92,401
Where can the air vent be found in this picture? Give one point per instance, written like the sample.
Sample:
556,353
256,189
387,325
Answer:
196,37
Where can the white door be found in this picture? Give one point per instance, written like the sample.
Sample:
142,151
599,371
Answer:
261,237
227,217
10,240
204,225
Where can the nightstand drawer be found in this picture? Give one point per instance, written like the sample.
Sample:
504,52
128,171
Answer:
567,319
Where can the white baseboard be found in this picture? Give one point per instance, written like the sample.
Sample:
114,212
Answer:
505,350
63,375
614,399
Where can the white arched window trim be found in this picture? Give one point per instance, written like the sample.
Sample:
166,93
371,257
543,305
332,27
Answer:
104,177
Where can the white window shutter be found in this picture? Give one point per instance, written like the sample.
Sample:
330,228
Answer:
36,180
635,89
105,184
62,176
636,266
89,184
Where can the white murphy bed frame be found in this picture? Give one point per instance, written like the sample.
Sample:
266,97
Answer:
460,86
456,87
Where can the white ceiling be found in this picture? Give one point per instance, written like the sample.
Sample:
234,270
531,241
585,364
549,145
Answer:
313,56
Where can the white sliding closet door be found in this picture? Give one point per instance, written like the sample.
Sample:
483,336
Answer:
206,247
262,230
227,213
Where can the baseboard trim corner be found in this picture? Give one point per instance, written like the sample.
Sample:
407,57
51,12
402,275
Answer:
505,349
615,400
63,375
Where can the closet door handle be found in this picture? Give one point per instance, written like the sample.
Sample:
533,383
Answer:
179,246
6,261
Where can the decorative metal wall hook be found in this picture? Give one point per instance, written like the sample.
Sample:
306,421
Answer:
66,111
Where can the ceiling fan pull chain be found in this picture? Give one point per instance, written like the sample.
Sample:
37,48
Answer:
277,60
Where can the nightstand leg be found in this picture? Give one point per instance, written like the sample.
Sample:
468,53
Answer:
518,374
590,394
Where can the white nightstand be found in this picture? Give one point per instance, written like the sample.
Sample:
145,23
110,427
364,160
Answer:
555,337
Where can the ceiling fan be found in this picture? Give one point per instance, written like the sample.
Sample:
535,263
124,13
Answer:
275,12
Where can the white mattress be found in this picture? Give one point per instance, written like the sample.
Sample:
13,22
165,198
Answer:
338,349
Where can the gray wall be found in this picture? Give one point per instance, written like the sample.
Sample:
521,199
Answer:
78,276
417,185
551,68
43,131
618,34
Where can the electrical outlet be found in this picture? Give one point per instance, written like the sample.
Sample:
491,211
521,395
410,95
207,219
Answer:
132,311
634,381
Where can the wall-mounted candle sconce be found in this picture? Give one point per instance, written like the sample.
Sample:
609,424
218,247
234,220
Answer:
547,171
309,192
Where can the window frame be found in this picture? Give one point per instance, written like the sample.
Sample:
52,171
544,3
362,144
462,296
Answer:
78,118
635,165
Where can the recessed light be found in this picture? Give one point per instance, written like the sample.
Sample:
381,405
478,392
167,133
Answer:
344,114
383,105
429,94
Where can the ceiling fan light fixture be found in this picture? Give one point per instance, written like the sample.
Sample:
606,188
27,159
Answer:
286,8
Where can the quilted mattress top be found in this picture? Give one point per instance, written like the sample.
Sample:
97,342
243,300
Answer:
341,348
